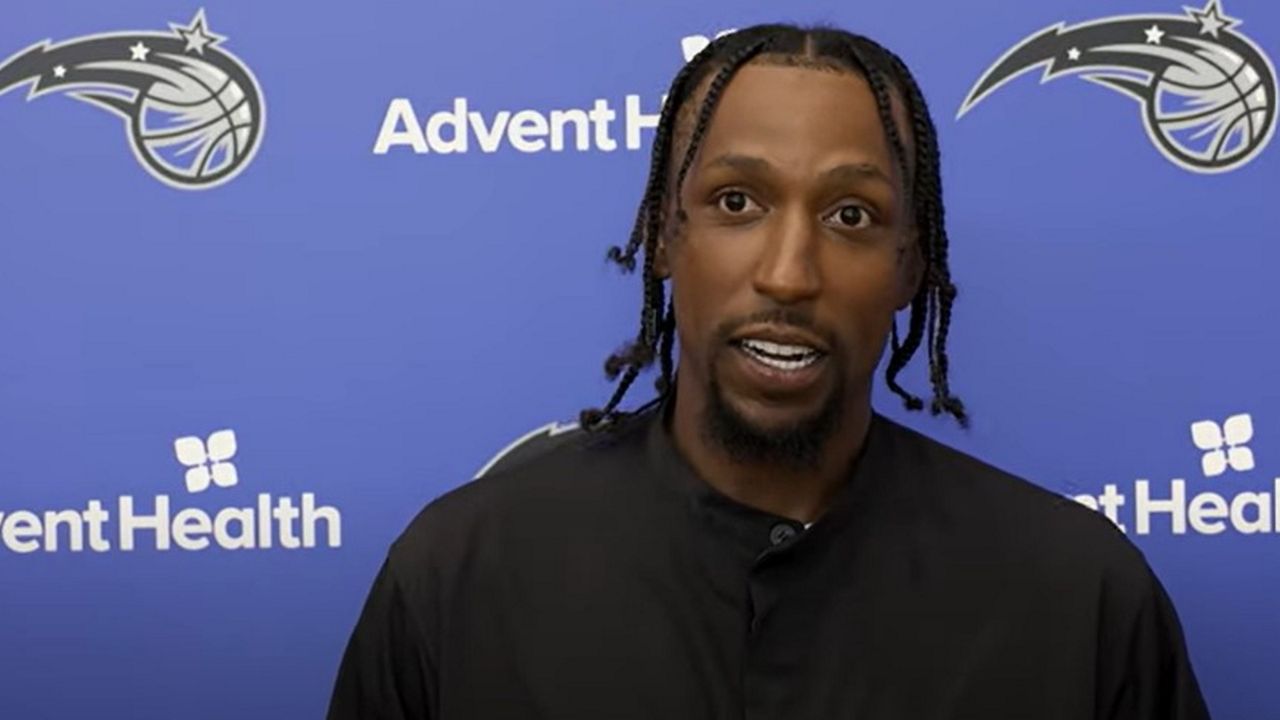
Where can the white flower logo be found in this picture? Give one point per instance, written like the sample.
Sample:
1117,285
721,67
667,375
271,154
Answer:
1224,445
207,461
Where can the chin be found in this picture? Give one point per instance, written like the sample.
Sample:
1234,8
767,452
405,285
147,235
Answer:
765,416
791,435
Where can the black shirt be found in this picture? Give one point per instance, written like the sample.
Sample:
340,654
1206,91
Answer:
603,580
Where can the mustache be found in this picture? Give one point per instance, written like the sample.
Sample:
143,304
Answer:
781,316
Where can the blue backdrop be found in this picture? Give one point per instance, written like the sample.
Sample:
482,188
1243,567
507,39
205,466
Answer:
252,292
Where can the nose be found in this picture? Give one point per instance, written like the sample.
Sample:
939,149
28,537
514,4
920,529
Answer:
787,270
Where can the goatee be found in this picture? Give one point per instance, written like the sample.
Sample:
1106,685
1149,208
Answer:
795,446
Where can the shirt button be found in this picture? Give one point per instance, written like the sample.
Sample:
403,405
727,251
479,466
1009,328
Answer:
781,533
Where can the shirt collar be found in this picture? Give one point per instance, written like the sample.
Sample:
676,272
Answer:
753,527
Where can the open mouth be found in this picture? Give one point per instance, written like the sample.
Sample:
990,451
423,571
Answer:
787,357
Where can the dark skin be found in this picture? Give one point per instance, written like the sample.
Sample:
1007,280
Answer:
794,201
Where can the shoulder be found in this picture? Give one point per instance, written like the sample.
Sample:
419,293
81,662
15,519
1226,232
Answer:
556,475
1012,518
1050,558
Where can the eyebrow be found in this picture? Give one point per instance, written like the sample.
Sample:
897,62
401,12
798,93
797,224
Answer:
848,171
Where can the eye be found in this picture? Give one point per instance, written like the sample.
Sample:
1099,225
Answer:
734,202
852,216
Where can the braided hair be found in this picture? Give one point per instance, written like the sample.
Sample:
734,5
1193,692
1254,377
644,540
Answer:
821,48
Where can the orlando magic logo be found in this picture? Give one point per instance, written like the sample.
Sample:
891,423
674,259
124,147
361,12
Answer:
193,112
1208,93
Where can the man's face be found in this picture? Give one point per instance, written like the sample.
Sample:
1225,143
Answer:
796,252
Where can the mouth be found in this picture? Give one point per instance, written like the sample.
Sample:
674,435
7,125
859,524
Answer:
783,353
785,357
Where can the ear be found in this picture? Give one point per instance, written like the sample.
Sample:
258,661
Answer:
910,271
661,268
661,259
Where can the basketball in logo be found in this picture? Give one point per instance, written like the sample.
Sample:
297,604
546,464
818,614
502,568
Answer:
196,124
1214,107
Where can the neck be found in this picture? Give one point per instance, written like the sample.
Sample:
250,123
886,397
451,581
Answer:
799,494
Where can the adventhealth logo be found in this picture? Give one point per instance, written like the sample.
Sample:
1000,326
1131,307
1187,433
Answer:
462,129
207,462
158,523
1223,446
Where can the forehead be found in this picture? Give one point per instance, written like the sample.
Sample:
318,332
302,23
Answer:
800,116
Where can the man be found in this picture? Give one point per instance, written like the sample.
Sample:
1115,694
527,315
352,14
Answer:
759,542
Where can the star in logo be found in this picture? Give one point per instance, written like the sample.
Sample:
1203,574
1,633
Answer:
1211,18
1154,33
139,51
1073,53
197,34
60,71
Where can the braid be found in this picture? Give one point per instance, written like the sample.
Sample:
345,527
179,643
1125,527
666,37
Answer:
902,354
884,109
633,356
657,327
709,103
885,73
931,308
665,380
650,206
923,196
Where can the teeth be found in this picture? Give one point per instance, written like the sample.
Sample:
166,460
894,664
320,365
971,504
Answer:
779,349
780,364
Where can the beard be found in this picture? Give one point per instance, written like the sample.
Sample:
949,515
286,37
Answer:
796,445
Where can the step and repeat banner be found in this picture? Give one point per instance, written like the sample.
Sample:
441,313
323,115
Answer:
274,275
